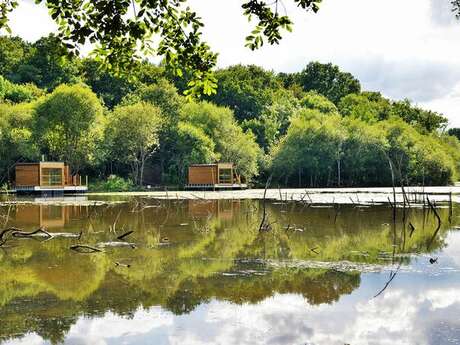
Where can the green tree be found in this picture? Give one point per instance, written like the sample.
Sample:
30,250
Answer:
192,146
313,100
455,132
424,120
48,65
232,144
417,158
247,90
321,150
132,135
328,80
107,86
274,120
13,52
360,107
16,137
16,93
68,125
310,150
163,95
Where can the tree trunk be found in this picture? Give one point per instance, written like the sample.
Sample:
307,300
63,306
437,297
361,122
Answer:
141,178
338,172
300,177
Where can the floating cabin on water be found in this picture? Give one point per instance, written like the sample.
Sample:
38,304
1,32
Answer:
218,176
48,178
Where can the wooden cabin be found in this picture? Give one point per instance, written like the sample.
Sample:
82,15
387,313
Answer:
48,177
214,176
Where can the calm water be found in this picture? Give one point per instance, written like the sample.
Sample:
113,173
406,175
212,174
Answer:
201,272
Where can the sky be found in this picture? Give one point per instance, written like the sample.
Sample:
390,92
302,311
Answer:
402,48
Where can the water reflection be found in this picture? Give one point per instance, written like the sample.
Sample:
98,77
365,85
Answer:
202,272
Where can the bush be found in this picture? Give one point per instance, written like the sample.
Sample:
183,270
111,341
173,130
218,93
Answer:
112,184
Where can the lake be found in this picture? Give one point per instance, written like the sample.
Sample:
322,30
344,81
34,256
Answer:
143,270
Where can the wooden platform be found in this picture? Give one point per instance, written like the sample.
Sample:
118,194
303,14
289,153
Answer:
216,186
50,190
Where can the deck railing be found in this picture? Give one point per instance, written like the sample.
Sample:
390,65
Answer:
77,180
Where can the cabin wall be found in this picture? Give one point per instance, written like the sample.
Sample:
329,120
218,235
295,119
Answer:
46,169
202,175
27,175
67,176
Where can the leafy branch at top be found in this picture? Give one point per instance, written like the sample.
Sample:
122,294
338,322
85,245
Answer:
456,8
270,23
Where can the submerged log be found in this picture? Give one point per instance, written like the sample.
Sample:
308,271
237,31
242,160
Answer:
4,233
125,235
83,248
115,244
40,232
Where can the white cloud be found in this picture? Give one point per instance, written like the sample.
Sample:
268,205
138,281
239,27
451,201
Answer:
28,339
98,331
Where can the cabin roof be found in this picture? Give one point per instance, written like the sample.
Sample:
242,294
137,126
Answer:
36,163
223,165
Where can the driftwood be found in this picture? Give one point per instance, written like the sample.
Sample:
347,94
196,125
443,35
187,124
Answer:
314,250
438,227
263,224
412,229
40,232
6,234
390,279
122,265
125,235
115,244
83,248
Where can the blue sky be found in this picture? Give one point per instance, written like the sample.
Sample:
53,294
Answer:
403,48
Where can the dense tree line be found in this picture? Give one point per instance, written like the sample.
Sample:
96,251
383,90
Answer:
312,128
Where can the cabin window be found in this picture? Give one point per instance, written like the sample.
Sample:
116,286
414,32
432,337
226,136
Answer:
51,177
225,176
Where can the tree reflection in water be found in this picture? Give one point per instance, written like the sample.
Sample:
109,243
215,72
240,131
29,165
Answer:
214,251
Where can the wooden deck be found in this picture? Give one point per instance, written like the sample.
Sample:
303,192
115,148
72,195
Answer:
216,186
50,190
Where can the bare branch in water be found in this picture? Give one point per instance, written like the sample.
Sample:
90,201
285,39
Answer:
392,276
83,248
122,265
38,232
438,227
263,226
124,235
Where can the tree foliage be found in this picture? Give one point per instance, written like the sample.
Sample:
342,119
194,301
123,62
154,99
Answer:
232,144
132,134
312,128
67,125
122,36
193,146
18,93
424,120
247,90
332,150
16,137
328,80
454,132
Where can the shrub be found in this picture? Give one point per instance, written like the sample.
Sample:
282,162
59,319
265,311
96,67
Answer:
113,184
